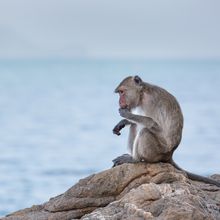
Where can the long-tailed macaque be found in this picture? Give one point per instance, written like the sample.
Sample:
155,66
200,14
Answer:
156,122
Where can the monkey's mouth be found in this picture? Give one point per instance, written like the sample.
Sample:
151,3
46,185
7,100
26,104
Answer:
123,105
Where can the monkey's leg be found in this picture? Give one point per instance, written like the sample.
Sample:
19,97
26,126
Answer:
131,137
121,124
150,148
127,158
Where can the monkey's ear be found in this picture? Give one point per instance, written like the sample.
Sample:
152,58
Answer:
137,80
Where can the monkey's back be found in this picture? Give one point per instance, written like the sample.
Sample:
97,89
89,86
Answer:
166,111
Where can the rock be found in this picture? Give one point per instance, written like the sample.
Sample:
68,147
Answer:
133,192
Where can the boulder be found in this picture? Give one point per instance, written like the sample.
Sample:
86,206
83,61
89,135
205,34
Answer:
134,192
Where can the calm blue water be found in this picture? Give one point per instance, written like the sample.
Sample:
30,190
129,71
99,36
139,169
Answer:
56,119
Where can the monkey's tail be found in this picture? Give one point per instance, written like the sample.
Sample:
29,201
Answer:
196,177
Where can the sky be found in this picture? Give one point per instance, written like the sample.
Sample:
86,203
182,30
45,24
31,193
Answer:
140,29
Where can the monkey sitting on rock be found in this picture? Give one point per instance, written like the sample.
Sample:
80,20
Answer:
156,122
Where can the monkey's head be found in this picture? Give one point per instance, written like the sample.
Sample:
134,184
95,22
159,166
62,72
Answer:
130,92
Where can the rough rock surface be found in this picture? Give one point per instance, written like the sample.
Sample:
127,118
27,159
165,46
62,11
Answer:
134,192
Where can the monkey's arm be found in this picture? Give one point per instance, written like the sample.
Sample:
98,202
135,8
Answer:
146,121
127,158
121,124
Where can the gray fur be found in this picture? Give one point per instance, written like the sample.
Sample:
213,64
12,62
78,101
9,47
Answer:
156,122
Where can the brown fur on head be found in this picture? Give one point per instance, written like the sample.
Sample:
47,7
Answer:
130,92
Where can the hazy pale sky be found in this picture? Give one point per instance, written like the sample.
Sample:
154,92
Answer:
110,29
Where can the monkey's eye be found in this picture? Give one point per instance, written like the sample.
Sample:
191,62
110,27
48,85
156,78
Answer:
121,92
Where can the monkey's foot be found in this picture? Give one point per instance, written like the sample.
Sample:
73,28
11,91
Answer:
125,158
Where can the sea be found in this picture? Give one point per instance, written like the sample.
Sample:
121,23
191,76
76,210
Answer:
56,120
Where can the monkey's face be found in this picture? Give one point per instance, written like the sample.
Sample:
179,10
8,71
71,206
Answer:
123,97
129,91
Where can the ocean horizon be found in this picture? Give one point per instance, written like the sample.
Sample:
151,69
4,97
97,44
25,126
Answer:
56,120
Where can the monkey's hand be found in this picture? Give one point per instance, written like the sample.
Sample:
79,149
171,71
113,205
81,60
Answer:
116,130
125,113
